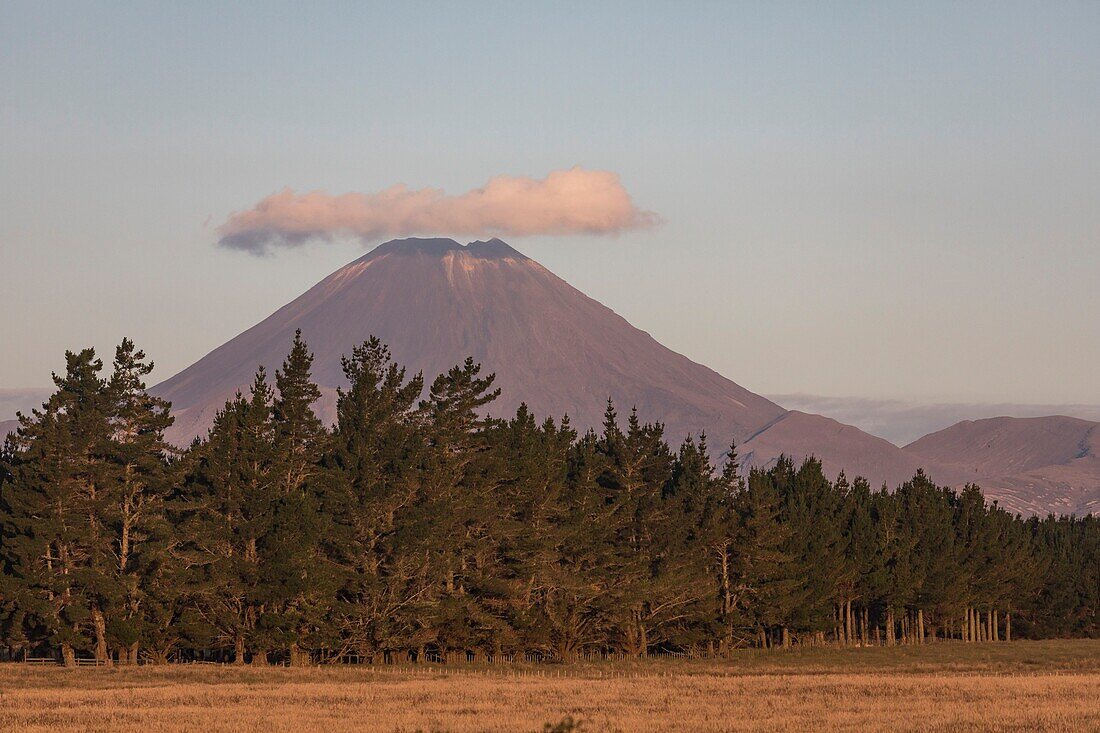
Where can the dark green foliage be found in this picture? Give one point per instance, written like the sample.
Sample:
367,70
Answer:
372,483
419,527
83,511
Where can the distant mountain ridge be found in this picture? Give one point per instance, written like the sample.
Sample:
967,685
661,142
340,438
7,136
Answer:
839,447
1029,465
903,421
1036,464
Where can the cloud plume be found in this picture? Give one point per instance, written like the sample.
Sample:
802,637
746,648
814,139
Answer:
574,201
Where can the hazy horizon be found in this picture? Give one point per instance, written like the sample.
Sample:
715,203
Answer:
893,202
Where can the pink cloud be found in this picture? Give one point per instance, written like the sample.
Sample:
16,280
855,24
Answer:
574,201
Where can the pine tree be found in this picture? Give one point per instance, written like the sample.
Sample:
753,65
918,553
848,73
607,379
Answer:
296,581
926,578
972,538
457,502
524,585
373,480
638,469
579,603
866,574
698,530
761,567
718,529
226,514
136,486
812,509
53,523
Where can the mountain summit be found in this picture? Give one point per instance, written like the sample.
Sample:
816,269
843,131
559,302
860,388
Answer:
435,301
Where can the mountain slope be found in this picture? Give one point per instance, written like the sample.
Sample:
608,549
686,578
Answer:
1036,465
435,301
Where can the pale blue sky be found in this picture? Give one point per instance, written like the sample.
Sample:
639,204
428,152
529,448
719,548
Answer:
885,200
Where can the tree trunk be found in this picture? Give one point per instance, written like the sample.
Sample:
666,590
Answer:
259,658
238,649
298,656
1008,626
920,626
889,627
727,593
853,622
132,654
68,656
786,638
100,625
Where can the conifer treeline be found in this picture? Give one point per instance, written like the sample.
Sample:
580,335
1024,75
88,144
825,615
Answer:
417,529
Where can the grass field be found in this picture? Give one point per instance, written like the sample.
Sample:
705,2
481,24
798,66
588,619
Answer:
1023,686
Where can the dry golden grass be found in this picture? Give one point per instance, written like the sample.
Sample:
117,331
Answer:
1024,686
